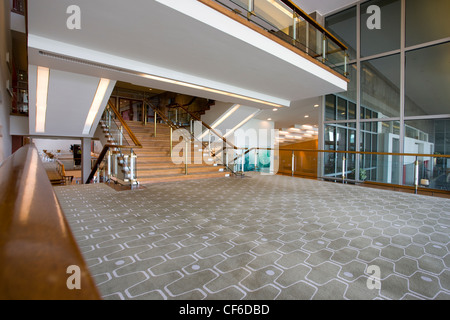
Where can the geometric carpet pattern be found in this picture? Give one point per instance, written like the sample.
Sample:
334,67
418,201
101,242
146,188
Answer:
261,238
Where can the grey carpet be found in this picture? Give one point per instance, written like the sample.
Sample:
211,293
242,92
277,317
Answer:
261,237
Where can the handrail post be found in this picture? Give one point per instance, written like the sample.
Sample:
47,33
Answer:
186,153
171,142
131,166
324,48
243,160
416,175
109,164
155,123
251,5
344,163
293,162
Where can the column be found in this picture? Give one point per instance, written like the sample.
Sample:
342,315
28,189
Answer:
85,159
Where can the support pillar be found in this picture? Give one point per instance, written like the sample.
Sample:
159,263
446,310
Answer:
85,159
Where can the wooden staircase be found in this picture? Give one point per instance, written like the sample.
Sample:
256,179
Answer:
154,163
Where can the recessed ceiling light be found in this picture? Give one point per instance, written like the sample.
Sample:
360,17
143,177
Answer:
316,106
276,109
306,116
270,119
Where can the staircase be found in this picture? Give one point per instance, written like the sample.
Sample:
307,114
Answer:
154,163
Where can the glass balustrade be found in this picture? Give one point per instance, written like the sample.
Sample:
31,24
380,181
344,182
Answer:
428,172
289,23
118,161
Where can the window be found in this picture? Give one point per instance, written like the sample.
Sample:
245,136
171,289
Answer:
387,38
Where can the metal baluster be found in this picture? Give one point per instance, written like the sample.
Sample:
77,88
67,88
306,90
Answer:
155,123
171,142
293,162
416,175
344,160
186,151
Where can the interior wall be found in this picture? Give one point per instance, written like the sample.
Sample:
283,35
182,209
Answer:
5,98
305,162
53,145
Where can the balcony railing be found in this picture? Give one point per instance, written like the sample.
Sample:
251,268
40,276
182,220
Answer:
288,22
419,173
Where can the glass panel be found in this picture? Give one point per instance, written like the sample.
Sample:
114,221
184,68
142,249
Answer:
306,163
352,111
343,26
330,107
386,38
330,144
428,81
426,21
380,87
278,15
341,109
427,136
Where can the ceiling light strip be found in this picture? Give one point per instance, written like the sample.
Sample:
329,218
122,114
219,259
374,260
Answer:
221,119
241,123
96,104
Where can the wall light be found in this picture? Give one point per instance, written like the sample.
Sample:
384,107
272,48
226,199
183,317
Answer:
95,107
221,119
43,78
241,124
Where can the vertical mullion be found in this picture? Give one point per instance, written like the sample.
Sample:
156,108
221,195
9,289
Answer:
402,87
358,89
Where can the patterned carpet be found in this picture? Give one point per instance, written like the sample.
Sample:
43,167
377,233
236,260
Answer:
261,237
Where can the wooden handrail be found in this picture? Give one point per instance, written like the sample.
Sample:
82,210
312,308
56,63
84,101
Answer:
36,242
125,125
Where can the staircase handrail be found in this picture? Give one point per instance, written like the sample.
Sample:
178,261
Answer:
125,125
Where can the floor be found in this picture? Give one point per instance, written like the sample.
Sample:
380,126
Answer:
261,237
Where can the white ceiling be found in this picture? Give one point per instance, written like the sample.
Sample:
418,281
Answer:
181,40
152,37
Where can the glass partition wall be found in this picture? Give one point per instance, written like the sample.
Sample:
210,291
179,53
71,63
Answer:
398,98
